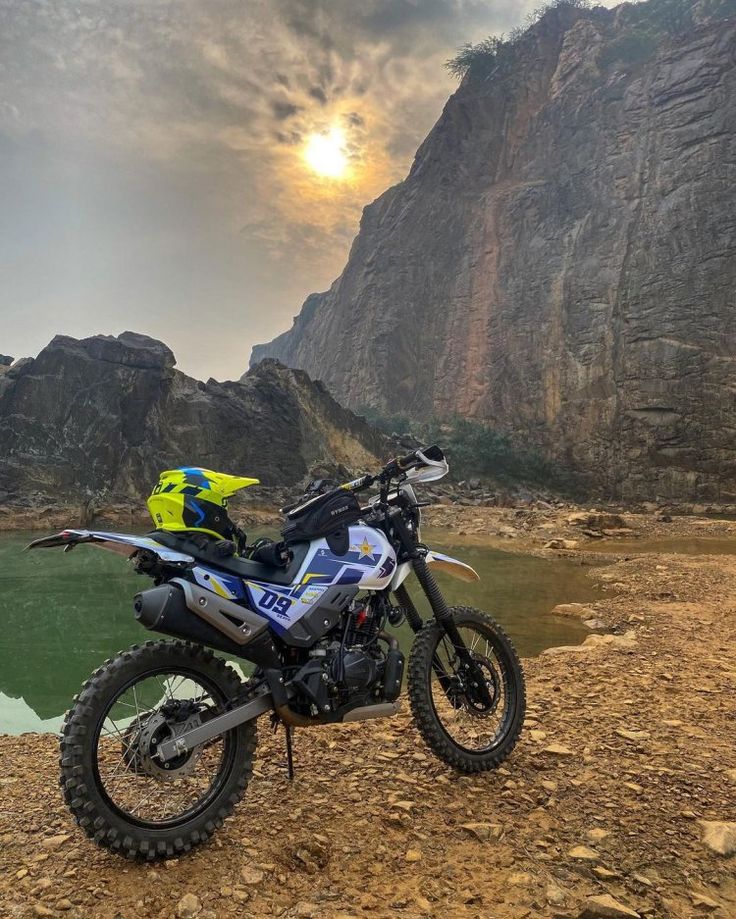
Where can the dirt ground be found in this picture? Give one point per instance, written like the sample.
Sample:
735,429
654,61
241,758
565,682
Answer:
546,529
620,799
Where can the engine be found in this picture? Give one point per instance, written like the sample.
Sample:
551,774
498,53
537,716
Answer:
359,666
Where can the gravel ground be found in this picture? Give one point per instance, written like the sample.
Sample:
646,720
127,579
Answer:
620,799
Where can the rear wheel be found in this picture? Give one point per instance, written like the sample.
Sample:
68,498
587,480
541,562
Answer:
120,791
468,730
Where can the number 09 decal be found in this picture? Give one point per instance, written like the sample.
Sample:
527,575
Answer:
271,601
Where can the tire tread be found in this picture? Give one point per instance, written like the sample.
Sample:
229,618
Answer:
108,828
425,719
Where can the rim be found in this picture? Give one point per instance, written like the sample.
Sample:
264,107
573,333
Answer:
470,726
146,709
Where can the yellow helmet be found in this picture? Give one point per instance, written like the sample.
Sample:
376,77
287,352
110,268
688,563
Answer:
195,499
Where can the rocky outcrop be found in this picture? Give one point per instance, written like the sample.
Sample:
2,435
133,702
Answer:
97,420
561,260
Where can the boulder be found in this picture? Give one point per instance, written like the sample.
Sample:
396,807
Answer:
95,421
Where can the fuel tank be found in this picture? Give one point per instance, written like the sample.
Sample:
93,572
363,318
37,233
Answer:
368,564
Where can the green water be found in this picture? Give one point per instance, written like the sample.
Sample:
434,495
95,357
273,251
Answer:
64,613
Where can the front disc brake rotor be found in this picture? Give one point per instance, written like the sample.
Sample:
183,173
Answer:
476,707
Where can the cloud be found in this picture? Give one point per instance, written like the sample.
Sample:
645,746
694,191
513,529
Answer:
211,104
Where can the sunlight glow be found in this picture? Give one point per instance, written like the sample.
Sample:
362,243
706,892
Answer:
325,154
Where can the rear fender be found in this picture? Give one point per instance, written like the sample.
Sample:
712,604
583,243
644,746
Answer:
121,543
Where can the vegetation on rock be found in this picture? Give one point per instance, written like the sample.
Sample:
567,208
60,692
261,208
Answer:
479,59
475,449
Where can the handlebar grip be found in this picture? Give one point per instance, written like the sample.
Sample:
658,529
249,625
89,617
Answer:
403,461
399,464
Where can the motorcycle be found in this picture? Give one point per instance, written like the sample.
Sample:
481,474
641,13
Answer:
158,746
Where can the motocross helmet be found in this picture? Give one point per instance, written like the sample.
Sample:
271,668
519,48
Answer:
192,499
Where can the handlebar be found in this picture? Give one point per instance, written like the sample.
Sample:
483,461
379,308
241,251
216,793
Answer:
398,466
395,467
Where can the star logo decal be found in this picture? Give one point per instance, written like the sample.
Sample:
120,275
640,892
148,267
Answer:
365,549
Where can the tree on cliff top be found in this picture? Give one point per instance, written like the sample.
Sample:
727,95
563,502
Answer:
482,56
642,26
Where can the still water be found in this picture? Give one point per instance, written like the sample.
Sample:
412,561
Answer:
64,613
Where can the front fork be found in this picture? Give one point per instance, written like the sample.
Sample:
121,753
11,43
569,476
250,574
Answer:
443,617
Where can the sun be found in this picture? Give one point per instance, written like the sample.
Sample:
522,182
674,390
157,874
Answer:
325,154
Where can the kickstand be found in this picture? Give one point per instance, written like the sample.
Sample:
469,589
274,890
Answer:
289,754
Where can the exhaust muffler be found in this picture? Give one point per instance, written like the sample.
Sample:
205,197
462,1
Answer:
166,609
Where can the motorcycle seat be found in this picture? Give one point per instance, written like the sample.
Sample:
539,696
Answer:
204,551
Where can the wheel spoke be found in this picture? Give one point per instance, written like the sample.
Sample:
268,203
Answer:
469,723
134,780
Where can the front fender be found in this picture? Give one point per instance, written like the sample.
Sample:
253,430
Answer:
452,566
446,563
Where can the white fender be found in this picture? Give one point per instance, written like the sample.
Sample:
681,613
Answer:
122,543
400,575
446,563
452,566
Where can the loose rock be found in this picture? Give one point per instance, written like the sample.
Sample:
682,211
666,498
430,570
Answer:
188,907
719,837
605,907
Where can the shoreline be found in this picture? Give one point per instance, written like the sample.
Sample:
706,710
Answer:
622,786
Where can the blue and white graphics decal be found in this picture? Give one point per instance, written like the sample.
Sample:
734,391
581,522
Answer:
369,563
279,603
224,585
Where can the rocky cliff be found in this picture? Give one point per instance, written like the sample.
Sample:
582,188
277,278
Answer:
97,420
561,259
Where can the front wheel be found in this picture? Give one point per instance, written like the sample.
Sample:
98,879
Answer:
471,731
120,791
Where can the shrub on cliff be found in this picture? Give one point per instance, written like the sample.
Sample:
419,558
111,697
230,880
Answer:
481,58
477,450
648,21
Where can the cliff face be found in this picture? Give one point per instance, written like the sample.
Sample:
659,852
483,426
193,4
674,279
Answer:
561,260
100,418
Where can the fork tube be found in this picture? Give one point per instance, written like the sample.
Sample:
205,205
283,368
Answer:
445,621
433,593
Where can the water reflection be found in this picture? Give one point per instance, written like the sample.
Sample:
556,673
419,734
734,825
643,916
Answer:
64,614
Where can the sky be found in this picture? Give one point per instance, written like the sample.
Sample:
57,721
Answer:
193,169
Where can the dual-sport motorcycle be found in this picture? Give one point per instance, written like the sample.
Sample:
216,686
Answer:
158,745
